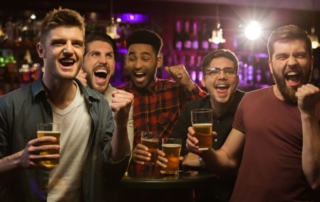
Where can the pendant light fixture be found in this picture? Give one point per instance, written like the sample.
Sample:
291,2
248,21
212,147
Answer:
111,29
313,37
217,30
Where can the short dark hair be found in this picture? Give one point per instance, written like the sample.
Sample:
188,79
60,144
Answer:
61,17
288,32
144,36
219,53
100,36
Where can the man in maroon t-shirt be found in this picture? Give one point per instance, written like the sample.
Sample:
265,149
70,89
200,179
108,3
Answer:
274,143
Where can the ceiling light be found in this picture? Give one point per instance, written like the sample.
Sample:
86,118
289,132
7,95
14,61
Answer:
112,28
217,36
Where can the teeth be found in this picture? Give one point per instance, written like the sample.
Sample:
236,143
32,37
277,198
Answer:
222,86
139,73
102,71
67,60
292,73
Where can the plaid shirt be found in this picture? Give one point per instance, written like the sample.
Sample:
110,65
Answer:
158,108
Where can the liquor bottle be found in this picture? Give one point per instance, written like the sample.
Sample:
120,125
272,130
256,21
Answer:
2,67
24,71
177,38
186,36
203,37
199,68
192,68
194,36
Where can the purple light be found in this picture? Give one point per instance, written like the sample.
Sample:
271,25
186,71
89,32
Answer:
132,18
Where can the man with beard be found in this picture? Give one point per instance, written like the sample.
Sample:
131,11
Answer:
220,69
274,143
98,68
93,152
157,102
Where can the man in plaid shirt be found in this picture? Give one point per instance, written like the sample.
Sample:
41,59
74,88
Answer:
157,102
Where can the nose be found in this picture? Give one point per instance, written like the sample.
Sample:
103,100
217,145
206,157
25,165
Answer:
291,61
222,75
68,50
138,64
103,60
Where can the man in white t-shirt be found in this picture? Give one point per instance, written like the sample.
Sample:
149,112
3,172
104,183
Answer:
94,148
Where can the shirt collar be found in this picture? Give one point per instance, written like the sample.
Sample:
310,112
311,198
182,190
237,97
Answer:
39,90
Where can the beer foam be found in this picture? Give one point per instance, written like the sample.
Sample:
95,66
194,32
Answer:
202,124
171,145
150,140
47,132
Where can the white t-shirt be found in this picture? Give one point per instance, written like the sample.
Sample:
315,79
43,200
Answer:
65,180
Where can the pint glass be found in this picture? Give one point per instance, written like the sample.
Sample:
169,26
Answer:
150,140
201,120
49,129
171,147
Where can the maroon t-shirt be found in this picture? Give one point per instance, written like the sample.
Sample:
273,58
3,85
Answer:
271,167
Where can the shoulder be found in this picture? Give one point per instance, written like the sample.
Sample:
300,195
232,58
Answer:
198,103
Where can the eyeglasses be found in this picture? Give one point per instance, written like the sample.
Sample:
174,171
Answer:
215,71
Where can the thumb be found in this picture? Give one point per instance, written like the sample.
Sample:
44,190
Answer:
167,69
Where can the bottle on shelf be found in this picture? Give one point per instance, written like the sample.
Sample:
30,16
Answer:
192,68
199,69
186,36
194,36
177,38
203,36
2,68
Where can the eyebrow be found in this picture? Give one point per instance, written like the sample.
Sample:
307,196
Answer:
143,53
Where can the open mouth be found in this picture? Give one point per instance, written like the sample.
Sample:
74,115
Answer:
67,62
140,76
293,78
101,73
222,88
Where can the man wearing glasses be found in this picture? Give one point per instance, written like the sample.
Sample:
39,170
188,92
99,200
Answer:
220,69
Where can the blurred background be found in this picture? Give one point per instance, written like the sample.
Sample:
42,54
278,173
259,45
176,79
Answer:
190,29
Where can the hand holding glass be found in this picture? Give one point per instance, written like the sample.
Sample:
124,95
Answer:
150,140
201,120
172,148
49,129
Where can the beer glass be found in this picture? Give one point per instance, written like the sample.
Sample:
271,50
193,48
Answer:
150,140
171,147
201,120
49,129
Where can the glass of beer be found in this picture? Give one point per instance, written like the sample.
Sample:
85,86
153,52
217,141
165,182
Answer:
150,140
171,147
49,129
201,120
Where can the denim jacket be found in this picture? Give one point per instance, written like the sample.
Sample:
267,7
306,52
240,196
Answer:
22,109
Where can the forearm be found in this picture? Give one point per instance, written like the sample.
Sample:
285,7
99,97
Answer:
311,149
119,142
9,167
218,162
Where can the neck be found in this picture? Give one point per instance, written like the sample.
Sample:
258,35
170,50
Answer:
61,93
219,109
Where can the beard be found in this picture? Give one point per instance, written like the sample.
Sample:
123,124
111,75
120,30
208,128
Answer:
90,83
289,93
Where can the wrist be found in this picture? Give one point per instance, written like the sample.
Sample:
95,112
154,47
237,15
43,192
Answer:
191,86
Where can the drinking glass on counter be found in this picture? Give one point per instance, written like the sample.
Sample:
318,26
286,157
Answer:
201,120
49,129
172,148
150,140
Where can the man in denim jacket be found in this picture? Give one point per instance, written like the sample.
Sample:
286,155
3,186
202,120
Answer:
93,151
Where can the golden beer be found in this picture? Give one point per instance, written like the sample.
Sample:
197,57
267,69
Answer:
172,153
56,134
152,145
203,132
